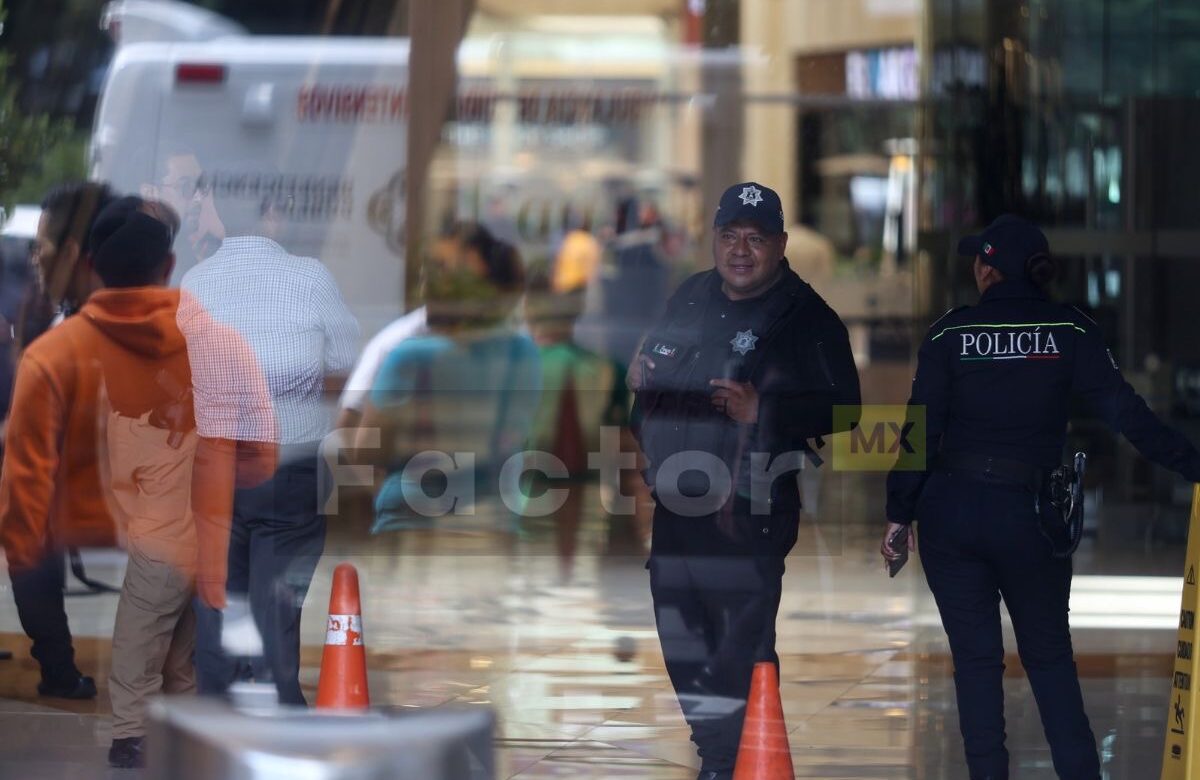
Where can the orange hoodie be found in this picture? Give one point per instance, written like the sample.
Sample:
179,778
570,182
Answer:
50,486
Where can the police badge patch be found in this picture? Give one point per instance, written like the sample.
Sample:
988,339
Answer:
743,342
751,196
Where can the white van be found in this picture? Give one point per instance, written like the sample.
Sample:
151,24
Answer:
546,130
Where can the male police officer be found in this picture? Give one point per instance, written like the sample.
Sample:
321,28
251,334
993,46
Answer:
744,368
995,381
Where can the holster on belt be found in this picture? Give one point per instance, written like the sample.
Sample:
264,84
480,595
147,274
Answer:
1062,486
1065,486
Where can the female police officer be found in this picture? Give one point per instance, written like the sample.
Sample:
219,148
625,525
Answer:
995,380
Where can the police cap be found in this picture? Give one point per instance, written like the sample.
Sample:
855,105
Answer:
752,202
1007,244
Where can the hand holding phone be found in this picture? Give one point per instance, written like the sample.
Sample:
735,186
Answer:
895,547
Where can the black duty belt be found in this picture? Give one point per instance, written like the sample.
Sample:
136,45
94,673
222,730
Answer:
993,469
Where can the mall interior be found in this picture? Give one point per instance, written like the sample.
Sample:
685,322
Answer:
890,129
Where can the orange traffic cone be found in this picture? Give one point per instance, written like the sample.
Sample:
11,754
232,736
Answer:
763,753
343,684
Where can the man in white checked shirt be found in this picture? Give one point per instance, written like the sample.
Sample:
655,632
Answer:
287,310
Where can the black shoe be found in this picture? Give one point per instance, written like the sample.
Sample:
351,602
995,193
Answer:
81,687
714,775
126,753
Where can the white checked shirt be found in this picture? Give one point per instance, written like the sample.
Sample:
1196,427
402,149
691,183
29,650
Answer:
288,311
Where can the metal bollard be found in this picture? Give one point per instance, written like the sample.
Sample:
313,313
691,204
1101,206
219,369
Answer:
202,738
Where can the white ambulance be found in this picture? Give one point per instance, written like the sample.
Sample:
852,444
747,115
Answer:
547,130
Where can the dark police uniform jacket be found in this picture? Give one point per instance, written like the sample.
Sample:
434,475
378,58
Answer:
997,379
786,342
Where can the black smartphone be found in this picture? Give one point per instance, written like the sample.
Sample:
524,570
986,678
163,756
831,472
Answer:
899,544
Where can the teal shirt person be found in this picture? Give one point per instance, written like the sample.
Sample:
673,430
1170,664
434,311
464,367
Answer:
462,403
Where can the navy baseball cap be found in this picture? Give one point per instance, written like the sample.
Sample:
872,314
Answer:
1006,244
752,202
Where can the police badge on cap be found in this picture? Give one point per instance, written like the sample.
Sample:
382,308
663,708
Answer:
752,202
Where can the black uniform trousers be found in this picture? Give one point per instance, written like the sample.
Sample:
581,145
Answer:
980,542
276,539
716,587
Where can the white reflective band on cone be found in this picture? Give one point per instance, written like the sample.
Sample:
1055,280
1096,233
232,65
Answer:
344,630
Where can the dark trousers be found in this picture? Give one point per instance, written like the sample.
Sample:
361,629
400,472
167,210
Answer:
276,538
716,595
980,542
38,593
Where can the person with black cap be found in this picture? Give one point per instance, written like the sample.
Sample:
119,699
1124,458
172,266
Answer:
743,369
147,446
994,381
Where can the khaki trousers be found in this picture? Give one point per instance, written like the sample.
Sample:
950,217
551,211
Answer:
153,640
154,637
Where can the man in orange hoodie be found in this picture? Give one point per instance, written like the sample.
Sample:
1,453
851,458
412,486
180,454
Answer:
147,456
101,426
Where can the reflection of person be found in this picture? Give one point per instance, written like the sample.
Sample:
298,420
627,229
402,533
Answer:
577,257
577,383
995,380
470,385
626,293
498,217
576,388
358,386
747,363
184,188
37,524
63,276
252,293
127,333
624,296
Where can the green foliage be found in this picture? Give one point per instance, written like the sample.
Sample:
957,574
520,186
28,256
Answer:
26,140
457,285
62,162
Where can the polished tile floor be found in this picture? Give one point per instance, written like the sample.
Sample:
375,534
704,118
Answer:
528,623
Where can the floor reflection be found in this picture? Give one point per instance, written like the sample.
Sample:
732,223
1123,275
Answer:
552,627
